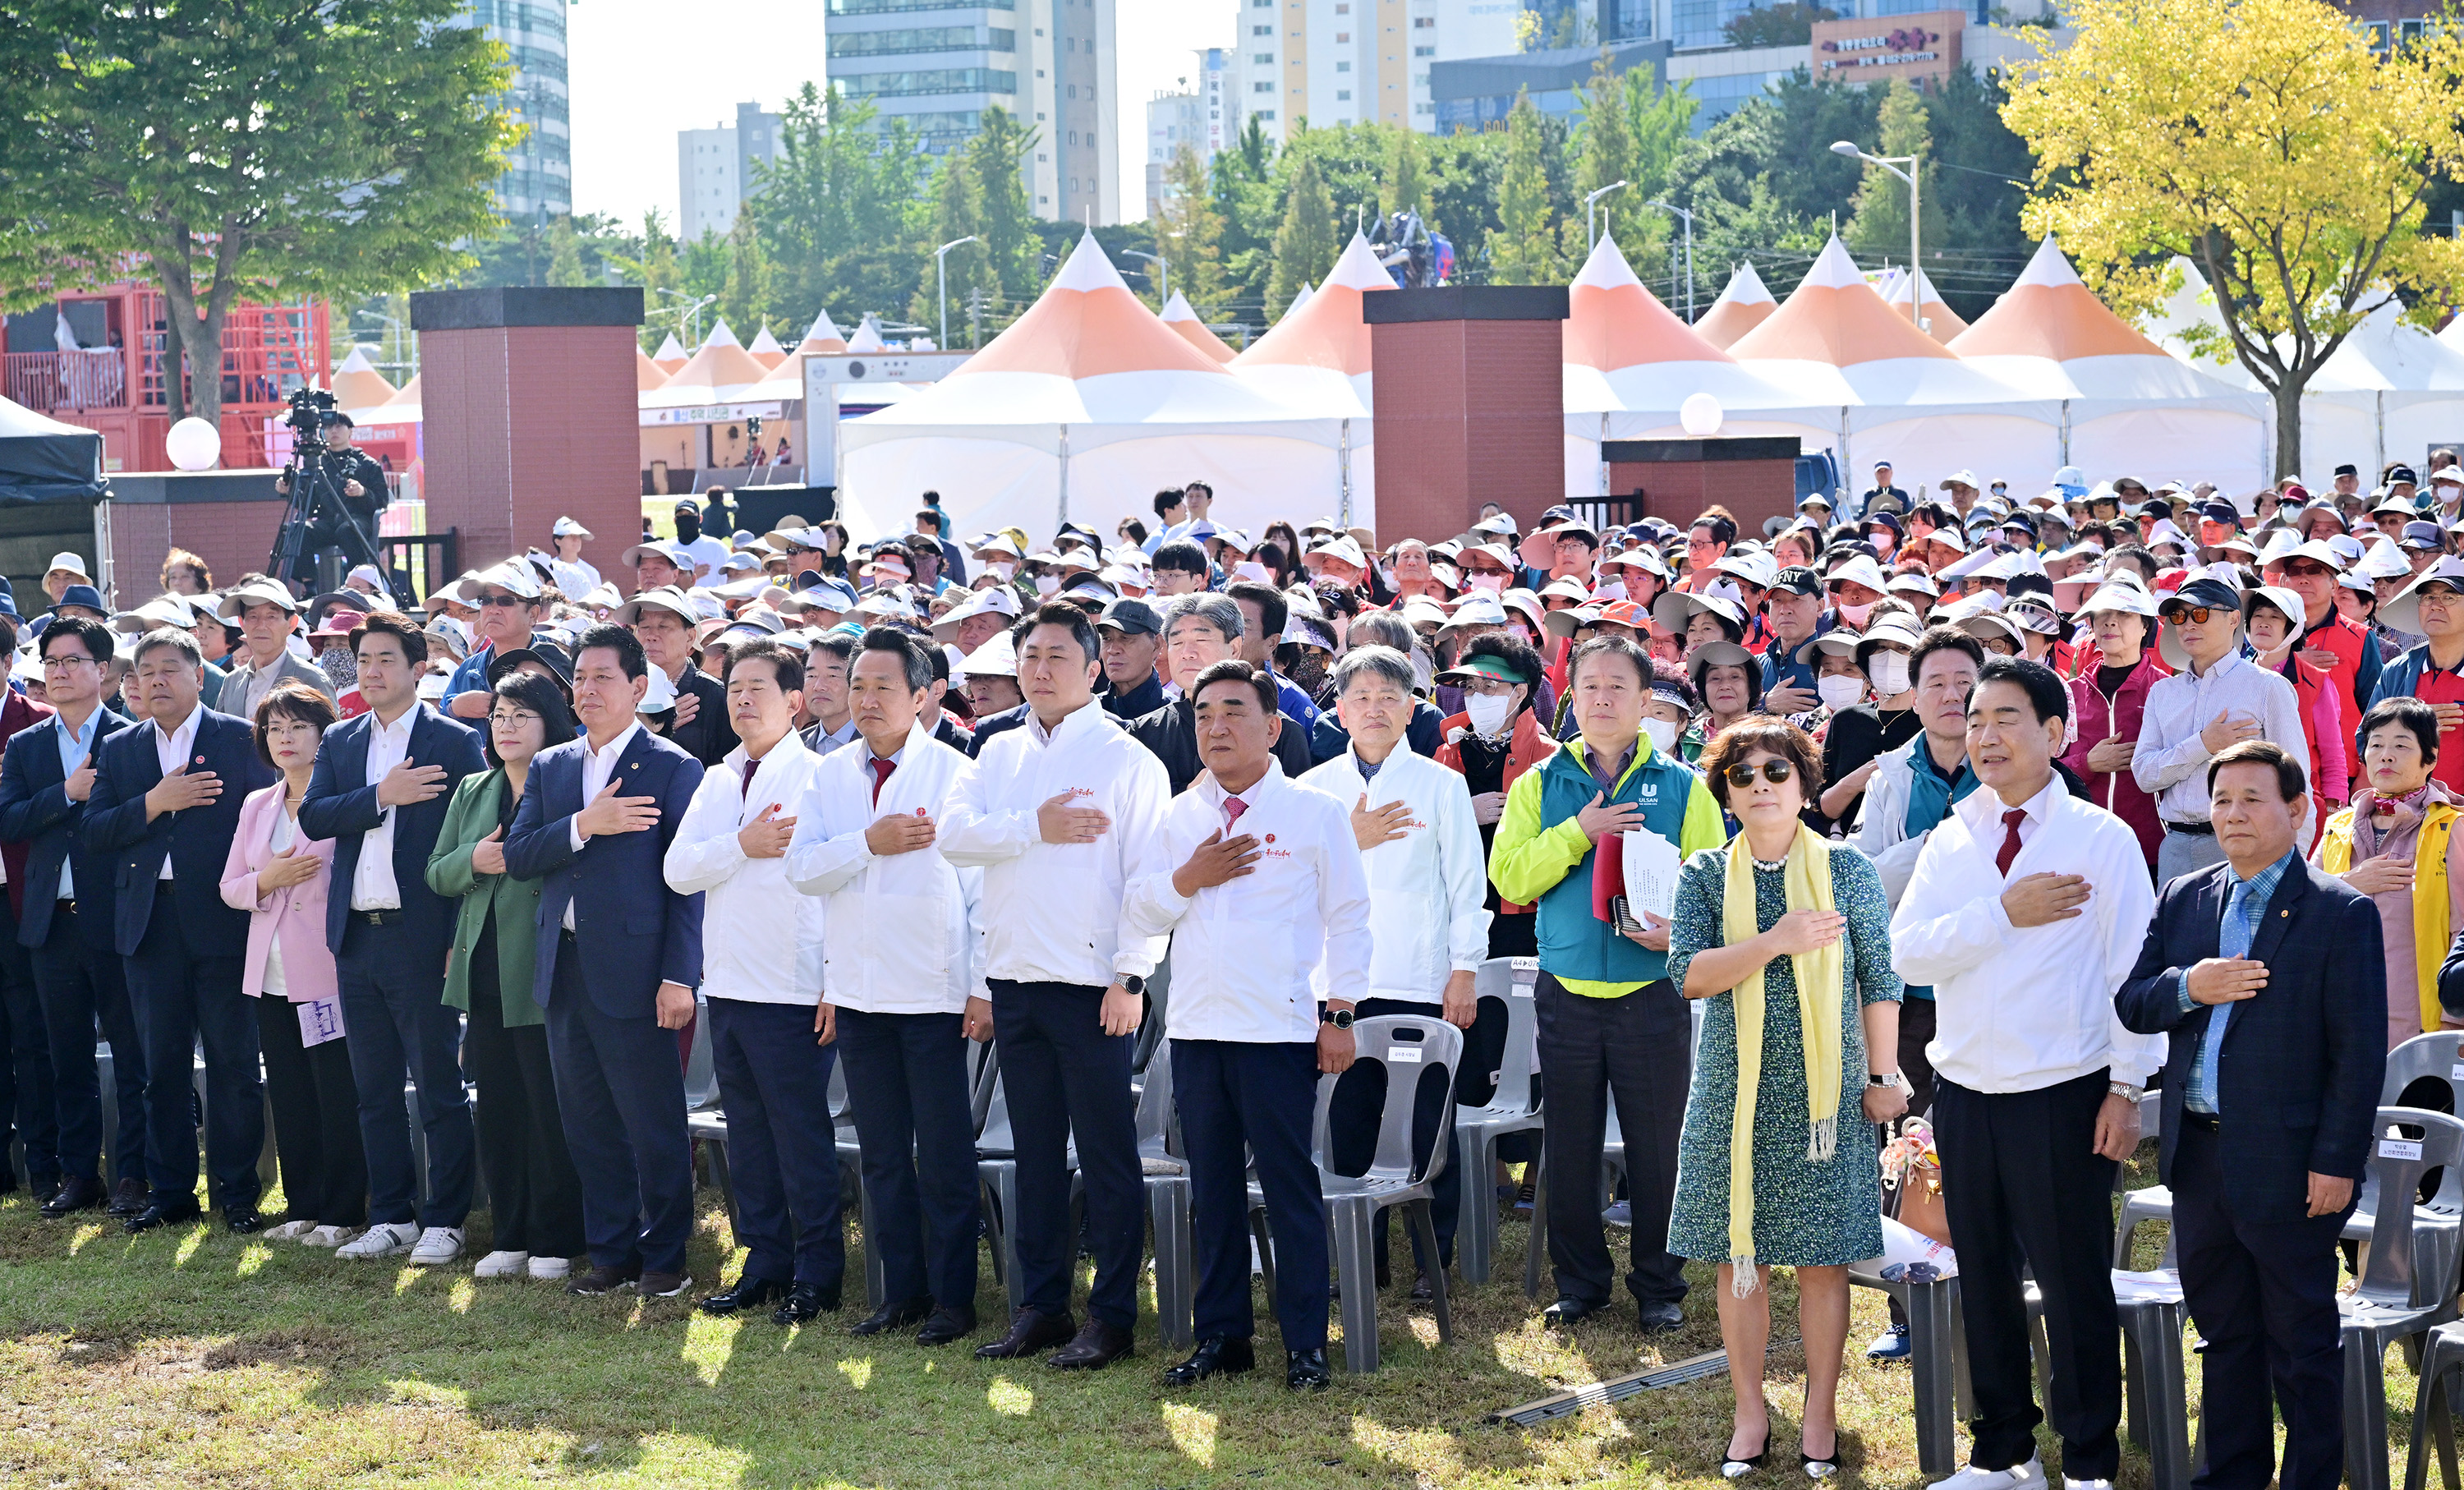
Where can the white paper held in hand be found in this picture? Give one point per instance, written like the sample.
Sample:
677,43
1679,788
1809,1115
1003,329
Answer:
1651,865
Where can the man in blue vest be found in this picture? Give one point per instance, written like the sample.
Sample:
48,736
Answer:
1611,1024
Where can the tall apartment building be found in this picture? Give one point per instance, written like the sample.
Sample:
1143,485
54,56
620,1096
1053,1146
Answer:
715,169
938,67
537,182
1353,61
1194,118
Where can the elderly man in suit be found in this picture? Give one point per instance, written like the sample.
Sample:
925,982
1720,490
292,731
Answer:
380,790
163,807
619,957
2267,976
65,924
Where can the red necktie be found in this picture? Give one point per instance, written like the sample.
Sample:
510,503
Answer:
881,769
2011,821
1233,807
750,766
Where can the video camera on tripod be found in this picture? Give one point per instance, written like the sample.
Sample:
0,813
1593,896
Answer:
316,498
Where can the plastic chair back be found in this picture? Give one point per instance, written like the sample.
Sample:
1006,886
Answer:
994,1136
2432,1056
1509,981
1155,1112
701,1067
2406,1143
1406,1046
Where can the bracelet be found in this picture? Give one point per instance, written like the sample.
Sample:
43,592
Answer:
2128,1092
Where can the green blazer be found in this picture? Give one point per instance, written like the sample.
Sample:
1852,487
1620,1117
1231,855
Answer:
469,817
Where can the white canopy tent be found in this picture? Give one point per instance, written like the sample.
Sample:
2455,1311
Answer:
1317,359
1744,304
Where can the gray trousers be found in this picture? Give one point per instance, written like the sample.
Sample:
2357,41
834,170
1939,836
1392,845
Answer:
2186,853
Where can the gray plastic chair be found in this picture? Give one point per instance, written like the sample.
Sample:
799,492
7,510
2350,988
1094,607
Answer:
1512,1109
1938,1386
1168,1210
1353,1203
2433,1406
2381,1310
701,1064
997,1185
2437,1224
2154,1376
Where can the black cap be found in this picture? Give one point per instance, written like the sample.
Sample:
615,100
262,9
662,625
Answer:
1890,520
2214,593
2403,473
2348,469
2156,508
547,654
1797,580
1130,615
2219,512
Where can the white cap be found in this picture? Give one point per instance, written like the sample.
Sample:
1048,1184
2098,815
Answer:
259,592
568,528
71,563
162,610
997,658
513,575
662,695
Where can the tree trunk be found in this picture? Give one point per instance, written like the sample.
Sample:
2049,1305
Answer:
196,332
2288,422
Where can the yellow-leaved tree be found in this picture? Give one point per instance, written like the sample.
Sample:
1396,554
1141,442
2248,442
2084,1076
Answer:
2265,141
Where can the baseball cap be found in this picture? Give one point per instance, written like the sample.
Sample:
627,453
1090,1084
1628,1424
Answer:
1797,580
2423,535
2211,593
667,597
2403,473
1130,616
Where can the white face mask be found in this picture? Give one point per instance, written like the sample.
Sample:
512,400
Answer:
1855,615
1889,671
1047,585
1613,590
1840,693
1663,733
1489,713
1001,569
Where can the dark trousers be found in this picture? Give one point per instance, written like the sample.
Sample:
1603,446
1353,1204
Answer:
1232,1092
29,1093
393,1006
2263,1295
1635,1051
1062,1074
2022,1184
183,1001
316,1104
534,1197
622,1097
85,993
907,1081
1916,1032
1352,1121
782,1146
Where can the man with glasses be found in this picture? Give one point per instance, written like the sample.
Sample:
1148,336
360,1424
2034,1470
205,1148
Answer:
509,603
2329,643
2219,699
2431,608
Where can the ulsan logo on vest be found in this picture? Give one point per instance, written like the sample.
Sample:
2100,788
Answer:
1649,792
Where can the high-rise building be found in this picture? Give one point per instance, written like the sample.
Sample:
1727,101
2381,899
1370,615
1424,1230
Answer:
1049,62
714,170
538,183
1171,122
1353,61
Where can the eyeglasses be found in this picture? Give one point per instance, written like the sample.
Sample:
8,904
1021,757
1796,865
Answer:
68,660
502,600
2307,571
2195,615
512,718
1775,771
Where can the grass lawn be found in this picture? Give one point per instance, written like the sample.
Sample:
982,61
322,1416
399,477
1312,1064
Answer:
192,1357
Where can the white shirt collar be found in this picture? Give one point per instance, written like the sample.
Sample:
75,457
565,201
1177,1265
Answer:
616,746
400,729
186,730
1257,789
1985,806
1044,736
2220,667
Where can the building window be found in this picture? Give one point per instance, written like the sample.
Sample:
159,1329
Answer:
1343,95
1343,66
1424,52
1268,115
1262,58
1425,107
1073,183
1262,87
1424,23
1261,31
1342,36
1073,136
1073,90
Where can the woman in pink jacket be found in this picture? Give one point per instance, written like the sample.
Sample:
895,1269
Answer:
280,878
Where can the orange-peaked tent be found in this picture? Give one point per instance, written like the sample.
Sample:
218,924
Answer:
1184,322
824,338
671,353
766,350
358,385
1744,304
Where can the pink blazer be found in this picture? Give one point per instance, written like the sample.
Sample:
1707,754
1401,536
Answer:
296,914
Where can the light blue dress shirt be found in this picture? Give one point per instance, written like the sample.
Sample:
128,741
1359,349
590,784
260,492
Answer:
2243,910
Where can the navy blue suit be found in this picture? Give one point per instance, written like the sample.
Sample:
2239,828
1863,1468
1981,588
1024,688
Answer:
2297,1093
390,966
77,973
183,950
619,1084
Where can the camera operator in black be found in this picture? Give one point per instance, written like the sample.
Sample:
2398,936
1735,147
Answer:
361,480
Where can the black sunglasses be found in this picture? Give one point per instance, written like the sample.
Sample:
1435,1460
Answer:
1775,771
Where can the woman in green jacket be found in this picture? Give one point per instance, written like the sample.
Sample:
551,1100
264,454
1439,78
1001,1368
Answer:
534,1195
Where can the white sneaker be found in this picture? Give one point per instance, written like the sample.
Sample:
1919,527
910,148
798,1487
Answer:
437,1246
329,1235
384,1240
2075,1483
2030,1476
501,1264
551,1269
290,1231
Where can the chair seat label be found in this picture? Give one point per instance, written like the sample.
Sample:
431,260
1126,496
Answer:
2398,1148
1409,1054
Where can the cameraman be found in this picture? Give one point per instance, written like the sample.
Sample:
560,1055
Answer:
362,485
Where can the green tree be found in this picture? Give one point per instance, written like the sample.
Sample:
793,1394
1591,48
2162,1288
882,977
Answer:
1406,185
249,146
1880,226
1242,180
1523,250
1189,232
662,279
747,300
956,214
1787,24
565,254
1005,220
1306,244
834,211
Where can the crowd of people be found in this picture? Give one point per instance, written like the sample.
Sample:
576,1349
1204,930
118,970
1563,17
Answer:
1998,811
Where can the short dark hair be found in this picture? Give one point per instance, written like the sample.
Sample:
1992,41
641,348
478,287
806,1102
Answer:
918,667
1181,557
2404,709
931,515
401,627
90,634
619,640
540,695
1167,499
1232,669
785,667
1134,530
1940,639
2046,694
290,699
1513,651
1609,647
2138,555
1071,619
1273,611
1723,530
174,638
2291,780
1762,733
838,645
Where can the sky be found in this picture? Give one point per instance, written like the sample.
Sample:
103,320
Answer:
641,70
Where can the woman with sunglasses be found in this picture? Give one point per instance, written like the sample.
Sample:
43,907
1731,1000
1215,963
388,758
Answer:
1787,938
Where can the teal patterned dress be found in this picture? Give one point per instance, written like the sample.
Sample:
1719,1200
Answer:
1806,1213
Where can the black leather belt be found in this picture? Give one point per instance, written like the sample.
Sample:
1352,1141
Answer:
2204,1122
68,903
566,934
2194,829
379,918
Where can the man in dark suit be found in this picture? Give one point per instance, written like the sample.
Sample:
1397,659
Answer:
619,957
29,1094
1200,630
379,791
164,808
65,921
2269,978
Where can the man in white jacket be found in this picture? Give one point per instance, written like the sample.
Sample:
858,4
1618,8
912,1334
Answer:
1419,845
1059,815
761,971
900,984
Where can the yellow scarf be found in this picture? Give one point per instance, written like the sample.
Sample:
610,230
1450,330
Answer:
1820,977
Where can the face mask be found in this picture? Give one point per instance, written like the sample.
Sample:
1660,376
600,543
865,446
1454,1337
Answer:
1883,541
1840,693
1309,672
1047,585
687,528
1001,569
1613,590
1494,583
1889,671
1489,711
1663,733
1386,571
1855,615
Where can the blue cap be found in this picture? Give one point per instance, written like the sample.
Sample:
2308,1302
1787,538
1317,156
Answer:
85,595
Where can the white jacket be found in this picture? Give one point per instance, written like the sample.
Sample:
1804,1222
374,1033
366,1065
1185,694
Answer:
750,902
1242,951
1882,828
881,955
1425,890
1052,911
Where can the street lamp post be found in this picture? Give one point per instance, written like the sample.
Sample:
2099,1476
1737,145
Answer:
1892,164
1591,234
1689,219
941,283
689,314
1163,276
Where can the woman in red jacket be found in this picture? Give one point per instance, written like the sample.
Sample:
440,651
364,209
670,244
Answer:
2107,699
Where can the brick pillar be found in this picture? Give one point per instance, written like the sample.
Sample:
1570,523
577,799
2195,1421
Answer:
530,399
1470,405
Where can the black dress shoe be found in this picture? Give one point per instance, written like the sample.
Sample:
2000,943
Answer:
747,1294
154,1216
127,1198
243,1221
1215,1355
78,1194
1422,1290
1307,1370
1098,1345
1568,1310
1658,1319
600,1281
1031,1333
896,1315
947,1325
44,1189
804,1301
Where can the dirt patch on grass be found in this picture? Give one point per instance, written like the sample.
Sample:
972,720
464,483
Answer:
304,1346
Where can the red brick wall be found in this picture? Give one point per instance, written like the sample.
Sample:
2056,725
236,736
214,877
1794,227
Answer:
1468,412
1756,491
232,537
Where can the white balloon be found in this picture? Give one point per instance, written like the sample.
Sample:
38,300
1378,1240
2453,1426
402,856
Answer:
1700,415
194,445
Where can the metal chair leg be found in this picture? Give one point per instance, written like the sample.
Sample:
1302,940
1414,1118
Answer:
1476,1230
1176,1297
2366,1466
1539,1243
1266,1241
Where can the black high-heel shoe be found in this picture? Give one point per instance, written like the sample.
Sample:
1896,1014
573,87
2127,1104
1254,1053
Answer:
1739,1469
1821,1468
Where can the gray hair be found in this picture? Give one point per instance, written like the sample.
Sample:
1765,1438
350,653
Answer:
1383,628
1383,662
1215,610
174,638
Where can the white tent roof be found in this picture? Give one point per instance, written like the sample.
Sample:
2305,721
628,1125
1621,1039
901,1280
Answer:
1317,357
358,385
1179,315
671,353
1744,304
1944,322
765,348
822,337
721,335
1628,354
2050,334
868,336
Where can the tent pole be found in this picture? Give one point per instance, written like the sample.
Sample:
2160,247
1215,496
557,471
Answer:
103,549
1604,455
1343,472
1065,479
2378,435
2066,431
1846,458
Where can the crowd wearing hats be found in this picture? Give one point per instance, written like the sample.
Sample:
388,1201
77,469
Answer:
1929,787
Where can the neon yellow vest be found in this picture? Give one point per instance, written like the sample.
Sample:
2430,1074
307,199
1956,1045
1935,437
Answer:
2429,901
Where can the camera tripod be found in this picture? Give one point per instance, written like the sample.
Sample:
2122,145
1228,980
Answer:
314,489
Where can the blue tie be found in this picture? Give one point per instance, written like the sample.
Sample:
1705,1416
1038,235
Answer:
2233,940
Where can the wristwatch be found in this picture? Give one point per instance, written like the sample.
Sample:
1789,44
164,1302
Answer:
1340,1019
1133,983
2126,1091
1886,1079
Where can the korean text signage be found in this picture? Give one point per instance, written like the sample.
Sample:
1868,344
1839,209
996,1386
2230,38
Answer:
1918,47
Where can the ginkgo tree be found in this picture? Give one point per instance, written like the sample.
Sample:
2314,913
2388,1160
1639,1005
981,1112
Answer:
2265,141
